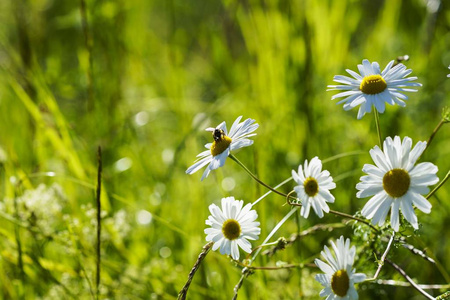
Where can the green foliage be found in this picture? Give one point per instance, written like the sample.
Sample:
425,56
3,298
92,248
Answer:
142,79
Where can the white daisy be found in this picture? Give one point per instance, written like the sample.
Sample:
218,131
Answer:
373,87
396,182
339,276
232,226
448,74
223,143
313,188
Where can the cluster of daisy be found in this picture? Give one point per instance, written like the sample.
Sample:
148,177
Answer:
396,182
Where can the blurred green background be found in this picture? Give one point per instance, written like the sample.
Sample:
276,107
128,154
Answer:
143,79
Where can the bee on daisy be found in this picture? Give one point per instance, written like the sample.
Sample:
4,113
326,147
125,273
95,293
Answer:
223,144
373,87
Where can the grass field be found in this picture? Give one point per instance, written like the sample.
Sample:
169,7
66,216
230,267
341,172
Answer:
142,79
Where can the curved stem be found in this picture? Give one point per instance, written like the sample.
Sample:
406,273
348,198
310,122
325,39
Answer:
347,216
442,122
256,178
438,186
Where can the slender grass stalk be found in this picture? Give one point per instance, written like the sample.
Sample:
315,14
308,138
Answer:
183,293
413,284
342,155
377,123
99,223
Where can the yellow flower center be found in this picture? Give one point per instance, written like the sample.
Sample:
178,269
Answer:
340,283
396,182
311,186
231,229
372,84
220,145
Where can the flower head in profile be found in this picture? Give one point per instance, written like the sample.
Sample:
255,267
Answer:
339,276
396,182
313,187
373,87
223,143
232,226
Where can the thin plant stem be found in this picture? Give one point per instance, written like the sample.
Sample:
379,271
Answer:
430,139
381,261
341,214
414,285
183,293
270,191
338,213
256,178
99,223
438,186
377,123
341,155
415,251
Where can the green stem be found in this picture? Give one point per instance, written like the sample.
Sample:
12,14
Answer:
256,178
338,213
377,123
442,122
438,186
